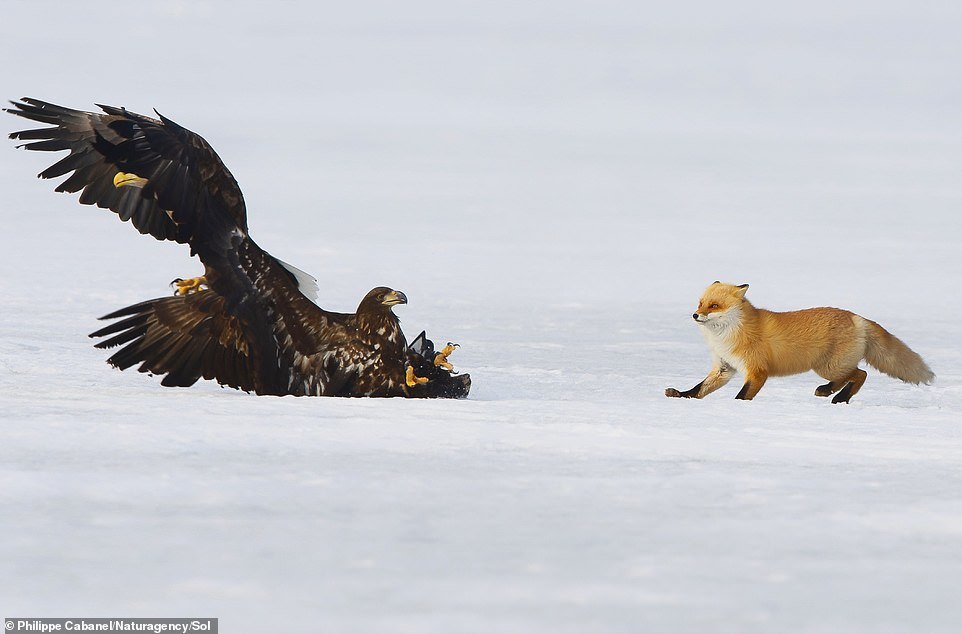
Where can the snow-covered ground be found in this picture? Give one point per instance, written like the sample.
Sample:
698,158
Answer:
552,184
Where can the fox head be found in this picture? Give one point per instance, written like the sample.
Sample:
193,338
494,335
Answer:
720,305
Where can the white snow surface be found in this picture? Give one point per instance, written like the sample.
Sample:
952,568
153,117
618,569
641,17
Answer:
552,185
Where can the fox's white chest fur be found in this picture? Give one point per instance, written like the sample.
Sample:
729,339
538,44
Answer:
719,330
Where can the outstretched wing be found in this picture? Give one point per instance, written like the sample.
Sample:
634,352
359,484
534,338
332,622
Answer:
252,330
302,350
256,322
189,193
184,338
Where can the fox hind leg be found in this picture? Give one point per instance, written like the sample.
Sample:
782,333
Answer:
829,388
839,373
855,382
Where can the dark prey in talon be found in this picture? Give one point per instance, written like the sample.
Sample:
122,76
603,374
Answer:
250,320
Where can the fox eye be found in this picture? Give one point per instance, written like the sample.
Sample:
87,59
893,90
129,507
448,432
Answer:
714,306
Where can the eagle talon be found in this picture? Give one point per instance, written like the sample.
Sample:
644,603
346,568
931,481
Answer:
129,180
186,287
412,380
441,358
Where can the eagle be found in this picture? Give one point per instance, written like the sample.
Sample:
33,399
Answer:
250,321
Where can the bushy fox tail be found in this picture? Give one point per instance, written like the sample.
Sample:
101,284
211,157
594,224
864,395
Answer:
890,355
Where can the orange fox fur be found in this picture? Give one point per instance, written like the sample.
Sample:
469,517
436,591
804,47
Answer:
760,343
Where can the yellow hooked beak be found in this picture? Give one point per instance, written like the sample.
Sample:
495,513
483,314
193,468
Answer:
394,298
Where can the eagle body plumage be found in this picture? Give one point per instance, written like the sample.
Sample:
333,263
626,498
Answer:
253,328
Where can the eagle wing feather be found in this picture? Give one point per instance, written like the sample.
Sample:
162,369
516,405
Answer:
185,177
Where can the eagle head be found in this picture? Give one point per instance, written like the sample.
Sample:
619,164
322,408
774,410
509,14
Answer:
381,299
377,321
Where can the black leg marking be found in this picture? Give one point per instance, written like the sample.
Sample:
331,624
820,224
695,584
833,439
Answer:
692,393
742,393
845,394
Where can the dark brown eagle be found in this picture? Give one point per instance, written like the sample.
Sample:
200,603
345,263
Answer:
247,322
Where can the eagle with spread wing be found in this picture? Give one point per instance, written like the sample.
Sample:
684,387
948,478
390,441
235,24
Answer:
249,322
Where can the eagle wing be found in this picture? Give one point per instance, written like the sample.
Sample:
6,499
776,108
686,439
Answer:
186,338
189,192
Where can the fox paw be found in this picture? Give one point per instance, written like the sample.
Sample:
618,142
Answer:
692,393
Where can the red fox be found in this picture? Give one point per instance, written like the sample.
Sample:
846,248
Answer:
761,343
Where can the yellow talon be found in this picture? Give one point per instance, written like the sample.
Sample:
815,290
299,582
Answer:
129,180
413,380
186,287
441,358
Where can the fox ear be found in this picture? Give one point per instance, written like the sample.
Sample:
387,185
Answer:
740,291
715,282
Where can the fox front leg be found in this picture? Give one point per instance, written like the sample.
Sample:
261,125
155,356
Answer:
753,383
720,375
